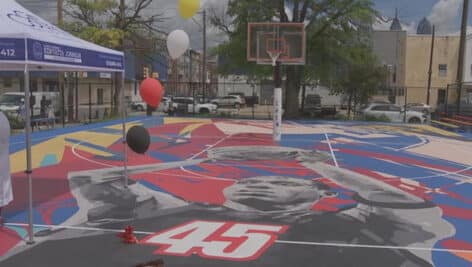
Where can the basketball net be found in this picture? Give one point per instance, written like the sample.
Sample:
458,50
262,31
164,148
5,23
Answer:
274,55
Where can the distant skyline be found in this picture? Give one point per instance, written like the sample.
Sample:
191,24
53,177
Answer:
445,14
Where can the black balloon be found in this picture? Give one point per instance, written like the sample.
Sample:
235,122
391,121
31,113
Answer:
138,139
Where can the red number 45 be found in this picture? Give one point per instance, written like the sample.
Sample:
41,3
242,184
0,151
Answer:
216,240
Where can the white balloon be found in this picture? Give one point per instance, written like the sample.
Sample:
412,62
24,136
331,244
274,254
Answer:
177,43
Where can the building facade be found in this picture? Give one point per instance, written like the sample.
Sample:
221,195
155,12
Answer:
185,76
466,96
444,68
407,58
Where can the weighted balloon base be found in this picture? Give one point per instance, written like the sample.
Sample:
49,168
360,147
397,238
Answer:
128,236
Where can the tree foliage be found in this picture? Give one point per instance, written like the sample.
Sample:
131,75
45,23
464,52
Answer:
114,25
335,30
359,77
101,21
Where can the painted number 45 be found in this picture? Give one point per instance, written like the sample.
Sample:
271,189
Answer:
217,240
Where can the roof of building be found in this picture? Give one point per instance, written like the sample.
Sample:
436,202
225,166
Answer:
424,27
396,25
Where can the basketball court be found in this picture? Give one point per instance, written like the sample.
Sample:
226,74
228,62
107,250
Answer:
213,192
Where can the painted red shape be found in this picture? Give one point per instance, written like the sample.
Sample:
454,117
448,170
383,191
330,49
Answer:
324,207
182,184
459,245
459,213
8,240
456,244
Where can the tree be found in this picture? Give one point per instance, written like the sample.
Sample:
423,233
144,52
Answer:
359,77
113,25
330,24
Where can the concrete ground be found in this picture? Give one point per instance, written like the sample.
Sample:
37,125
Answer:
216,192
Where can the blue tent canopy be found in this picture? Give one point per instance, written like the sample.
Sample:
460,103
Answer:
27,39
29,43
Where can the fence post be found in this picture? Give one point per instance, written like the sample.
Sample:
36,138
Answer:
90,102
446,108
406,102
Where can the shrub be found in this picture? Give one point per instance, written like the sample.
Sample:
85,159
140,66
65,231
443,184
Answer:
341,117
225,114
16,122
381,118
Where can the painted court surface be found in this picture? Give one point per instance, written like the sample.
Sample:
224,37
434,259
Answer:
222,193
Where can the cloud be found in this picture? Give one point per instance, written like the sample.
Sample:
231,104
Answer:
444,15
47,9
194,26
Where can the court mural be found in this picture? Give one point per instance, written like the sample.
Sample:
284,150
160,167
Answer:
222,193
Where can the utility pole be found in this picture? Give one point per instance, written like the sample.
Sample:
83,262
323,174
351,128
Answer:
460,68
60,17
60,75
430,72
122,14
116,100
204,59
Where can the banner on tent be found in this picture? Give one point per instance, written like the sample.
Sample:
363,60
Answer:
12,49
54,53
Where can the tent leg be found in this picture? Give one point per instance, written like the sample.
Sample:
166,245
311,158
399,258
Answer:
123,117
29,170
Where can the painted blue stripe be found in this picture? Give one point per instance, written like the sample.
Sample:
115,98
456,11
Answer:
165,157
17,142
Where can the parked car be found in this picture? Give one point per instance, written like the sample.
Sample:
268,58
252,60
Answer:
163,106
249,101
188,105
394,112
10,102
312,105
235,101
419,107
138,105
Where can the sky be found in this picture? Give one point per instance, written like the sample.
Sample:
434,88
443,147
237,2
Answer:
445,14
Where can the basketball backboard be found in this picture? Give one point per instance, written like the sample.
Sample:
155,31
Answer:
269,42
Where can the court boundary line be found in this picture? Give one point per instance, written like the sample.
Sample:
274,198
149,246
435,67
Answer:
278,241
332,151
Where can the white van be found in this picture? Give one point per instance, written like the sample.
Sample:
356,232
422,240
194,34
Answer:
10,102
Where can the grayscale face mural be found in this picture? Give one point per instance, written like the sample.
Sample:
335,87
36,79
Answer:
252,206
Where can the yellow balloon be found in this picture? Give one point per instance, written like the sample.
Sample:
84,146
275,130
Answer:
188,8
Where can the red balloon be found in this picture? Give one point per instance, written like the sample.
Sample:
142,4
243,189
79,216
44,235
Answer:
151,92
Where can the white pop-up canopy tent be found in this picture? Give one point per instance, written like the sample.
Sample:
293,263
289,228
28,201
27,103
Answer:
29,43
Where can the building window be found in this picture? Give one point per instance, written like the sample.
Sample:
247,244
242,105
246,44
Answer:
50,86
442,70
34,85
394,78
7,82
100,96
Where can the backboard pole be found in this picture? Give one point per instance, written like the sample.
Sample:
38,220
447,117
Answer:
277,111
